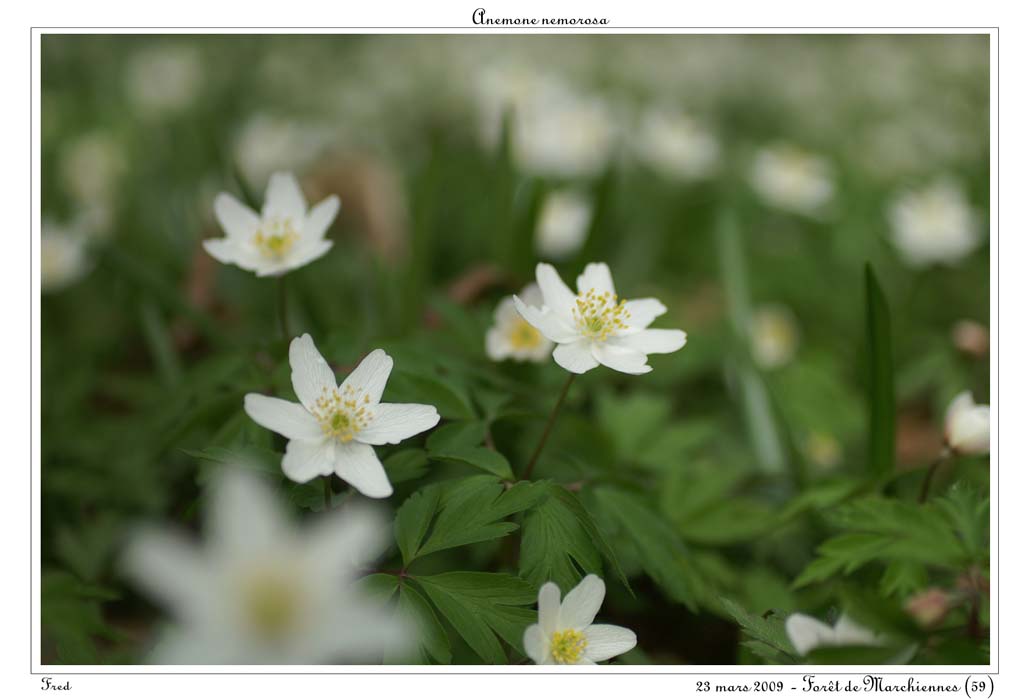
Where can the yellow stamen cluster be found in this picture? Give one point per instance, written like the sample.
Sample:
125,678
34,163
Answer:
271,605
275,238
599,315
567,646
342,415
523,336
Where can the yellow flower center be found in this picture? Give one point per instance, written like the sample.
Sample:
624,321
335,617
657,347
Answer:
568,646
271,605
523,336
275,238
342,414
599,315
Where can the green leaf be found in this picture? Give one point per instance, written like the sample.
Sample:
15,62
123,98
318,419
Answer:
769,630
882,410
432,638
406,465
903,578
479,457
555,546
481,607
449,398
71,617
413,519
456,435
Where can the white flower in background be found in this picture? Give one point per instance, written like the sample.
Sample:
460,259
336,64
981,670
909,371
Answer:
934,225
164,79
564,221
595,328
333,428
565,135
807,633
261,590
566,634
789,178
91,168
774,336
967,426
63,260
676,146
284,237
512,337
267,144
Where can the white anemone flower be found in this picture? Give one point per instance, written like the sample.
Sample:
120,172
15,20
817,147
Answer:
164,79
967,426
676,146
63,260
566,634
807,633
774,337
260,590
512,337
284,237
593,327
792,179
333,428
934,225
564,221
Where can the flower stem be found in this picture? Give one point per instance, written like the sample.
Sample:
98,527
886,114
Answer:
328,492
931,472
283,308
546,431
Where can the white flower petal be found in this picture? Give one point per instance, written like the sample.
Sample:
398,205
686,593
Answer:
849,633
239,221
320,217
622,359
311,373
346,539
556,294
284,198
286,418
807,633
575,357
497,346
967,425
642,312
606,641
301,257
244,516
652,340
549,605
371,375
534,643
596,276
228,252
170,569
304,460
581,604
394,422
357,464
552,325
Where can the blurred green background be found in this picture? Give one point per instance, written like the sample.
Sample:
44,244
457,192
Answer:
743,180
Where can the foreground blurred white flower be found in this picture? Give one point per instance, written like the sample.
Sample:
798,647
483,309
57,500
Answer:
773,336
284,237
511,336
566,634
333,428
595,328
260,590
807,633
564,221
164,79
676,146
787,177
967,426
62,257
934,225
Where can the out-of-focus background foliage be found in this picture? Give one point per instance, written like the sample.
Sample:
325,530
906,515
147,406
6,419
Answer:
743,180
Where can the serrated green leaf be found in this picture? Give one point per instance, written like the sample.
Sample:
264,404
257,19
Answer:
555,547
770,630
413,519
479,457
432,638
406,465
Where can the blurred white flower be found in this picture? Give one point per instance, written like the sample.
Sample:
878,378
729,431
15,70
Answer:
565,135
823,449
566,634
91,168
967,426
267,144
789,178
333,427
774,336
512,337
164,79
563,224
63,260
284,237
934,225
676,146
595,328
262,591
807,633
